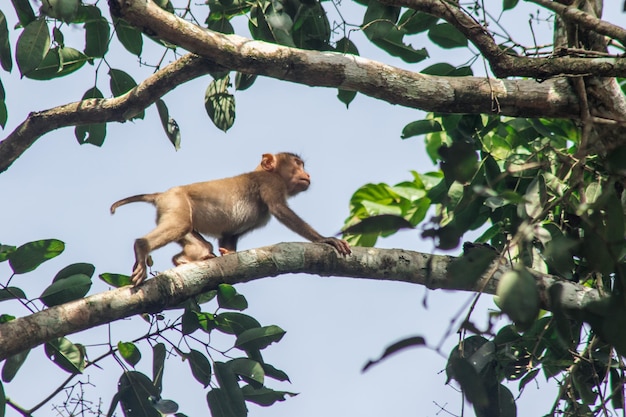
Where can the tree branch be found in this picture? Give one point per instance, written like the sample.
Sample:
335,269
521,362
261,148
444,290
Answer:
508,65
117,109
173,286
349,72
585,20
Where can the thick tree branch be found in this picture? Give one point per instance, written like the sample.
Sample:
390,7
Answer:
329,69
117,109
172,287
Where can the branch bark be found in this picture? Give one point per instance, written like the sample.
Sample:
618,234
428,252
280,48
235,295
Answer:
173,286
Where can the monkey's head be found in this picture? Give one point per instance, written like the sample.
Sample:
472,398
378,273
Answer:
290,167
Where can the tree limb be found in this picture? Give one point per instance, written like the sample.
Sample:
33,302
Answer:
585,20
117,109
173,286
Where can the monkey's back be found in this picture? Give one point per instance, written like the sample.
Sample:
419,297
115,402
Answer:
230,206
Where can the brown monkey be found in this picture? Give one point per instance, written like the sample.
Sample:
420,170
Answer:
226,209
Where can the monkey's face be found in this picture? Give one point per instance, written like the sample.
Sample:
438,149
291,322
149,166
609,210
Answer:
297,178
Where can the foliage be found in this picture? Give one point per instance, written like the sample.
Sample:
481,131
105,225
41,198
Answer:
219,370
544,207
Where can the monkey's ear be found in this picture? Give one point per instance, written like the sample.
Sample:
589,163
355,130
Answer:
268,162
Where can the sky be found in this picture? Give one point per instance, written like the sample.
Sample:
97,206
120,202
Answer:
59,189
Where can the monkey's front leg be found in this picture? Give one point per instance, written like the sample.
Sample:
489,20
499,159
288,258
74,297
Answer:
140,273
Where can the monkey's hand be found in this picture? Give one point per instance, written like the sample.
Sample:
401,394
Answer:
339,244
139,274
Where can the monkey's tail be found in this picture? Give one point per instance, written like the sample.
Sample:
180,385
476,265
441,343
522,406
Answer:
148,198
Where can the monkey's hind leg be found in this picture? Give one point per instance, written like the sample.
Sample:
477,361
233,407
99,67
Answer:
195,248
173,223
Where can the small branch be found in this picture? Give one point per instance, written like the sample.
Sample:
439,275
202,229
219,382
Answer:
584,20
172,287
505,65
117,109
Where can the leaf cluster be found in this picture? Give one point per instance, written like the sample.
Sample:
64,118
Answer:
233,376
540,205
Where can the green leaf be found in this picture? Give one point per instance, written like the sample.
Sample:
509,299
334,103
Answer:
468,378
379,20
94,133
66,289
250,370
135,392
220,104
447,36
32,46
169,125
73,269
413,22
5,47
115,280
64,10
509,4
189,321
311,28
381,224
58,62
97,33
220,405
393,44
466,270
518,297
270,22
396,347
346,46
158,365
165,406
420,127
32,254
6,251
24,11
66,355
235,323
228,298
13,364
501,403
264,396
129,36
272,372
120,82
535,197
4,115
200,367
11,293
206,321
459,162
230,389
3,401
244,81
221,24
617,384
129,352
259,338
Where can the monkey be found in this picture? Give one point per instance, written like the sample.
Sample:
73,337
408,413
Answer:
225,209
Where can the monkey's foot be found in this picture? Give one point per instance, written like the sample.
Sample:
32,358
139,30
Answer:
224,251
